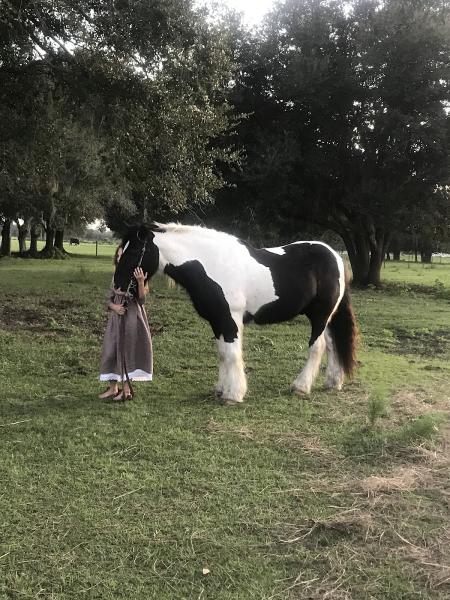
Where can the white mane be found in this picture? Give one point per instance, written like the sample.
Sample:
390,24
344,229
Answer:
198,230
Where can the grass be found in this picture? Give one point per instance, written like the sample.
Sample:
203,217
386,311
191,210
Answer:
83,249
411,273
339,495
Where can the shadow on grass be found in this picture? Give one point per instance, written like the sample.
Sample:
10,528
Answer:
437,290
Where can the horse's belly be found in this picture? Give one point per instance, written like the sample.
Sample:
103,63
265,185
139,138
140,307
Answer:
259,291
275,312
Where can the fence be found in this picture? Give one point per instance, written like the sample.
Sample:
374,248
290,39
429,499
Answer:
84,248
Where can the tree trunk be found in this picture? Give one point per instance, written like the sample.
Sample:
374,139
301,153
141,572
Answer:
394,247
426,255
22,237
48,251
59,240
5,248
358,254
378,246
375,264
22,233
35,232
366,257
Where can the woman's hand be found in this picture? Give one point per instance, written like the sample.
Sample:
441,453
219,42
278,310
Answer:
139,275
118,308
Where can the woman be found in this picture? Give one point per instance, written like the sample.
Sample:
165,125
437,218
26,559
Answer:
127,345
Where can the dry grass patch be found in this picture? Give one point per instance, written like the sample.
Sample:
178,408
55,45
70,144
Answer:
413,403
310,445
401,479
354,521
213,426
395,517
432,560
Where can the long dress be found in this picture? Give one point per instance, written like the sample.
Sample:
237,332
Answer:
132,337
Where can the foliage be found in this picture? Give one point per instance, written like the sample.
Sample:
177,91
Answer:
347,122
120,110
377,406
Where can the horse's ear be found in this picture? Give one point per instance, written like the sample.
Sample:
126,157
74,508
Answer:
146,231
156,227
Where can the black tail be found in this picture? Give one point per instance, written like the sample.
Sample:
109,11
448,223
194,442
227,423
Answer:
345,334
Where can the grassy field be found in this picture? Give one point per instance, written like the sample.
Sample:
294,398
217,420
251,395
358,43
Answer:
83,249
173,496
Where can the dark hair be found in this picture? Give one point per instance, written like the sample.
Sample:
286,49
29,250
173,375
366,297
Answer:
116,255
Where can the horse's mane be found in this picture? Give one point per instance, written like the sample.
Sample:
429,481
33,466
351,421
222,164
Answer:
198,230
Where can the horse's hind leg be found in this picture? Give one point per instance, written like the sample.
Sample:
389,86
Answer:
305,380
318,314
335,374
232,384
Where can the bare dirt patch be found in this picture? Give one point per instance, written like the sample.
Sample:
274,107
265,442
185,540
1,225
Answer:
53,316
424,343
46,316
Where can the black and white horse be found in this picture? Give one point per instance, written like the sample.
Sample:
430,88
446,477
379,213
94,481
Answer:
231,283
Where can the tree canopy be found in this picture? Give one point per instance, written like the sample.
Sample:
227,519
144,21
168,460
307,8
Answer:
120,109
348,122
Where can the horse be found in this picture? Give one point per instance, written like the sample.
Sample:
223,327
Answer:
231,283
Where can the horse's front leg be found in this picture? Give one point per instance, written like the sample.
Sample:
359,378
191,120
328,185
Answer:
232,384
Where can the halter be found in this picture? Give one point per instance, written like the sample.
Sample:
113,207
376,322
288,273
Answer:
132,283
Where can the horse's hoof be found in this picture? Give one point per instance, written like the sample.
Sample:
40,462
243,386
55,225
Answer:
300,390
333,385
231,402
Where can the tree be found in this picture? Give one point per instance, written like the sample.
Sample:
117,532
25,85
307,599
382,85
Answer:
126,108
51,159
348,127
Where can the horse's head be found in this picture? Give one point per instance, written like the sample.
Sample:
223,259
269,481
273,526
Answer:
139,250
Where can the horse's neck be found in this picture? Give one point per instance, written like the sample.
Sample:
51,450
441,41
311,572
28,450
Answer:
178,247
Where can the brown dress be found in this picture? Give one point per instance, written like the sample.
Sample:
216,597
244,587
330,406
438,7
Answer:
133,338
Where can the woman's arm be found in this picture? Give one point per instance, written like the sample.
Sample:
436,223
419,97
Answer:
140,276
117,308
111,305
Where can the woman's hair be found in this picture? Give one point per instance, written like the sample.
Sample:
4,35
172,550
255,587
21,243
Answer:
117,254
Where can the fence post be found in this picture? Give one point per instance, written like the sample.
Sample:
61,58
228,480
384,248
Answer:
96,247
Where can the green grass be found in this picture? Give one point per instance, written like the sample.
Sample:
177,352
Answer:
411,273
83,249
134,501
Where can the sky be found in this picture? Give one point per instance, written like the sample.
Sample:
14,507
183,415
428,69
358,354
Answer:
253,10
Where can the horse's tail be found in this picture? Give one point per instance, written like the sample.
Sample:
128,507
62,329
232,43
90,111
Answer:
344,331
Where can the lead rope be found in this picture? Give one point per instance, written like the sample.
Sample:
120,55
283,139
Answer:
122,330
